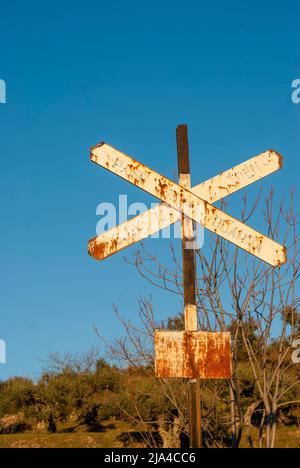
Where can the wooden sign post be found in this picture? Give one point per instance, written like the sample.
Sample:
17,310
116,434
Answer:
189,283
191,354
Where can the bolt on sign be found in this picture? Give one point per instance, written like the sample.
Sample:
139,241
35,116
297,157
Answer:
191,353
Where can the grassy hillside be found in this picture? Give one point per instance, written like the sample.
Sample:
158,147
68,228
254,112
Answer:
112,436
106,406
116,434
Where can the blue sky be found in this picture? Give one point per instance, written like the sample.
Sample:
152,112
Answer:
126,73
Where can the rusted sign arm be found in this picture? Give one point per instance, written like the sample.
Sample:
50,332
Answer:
185,201
162,215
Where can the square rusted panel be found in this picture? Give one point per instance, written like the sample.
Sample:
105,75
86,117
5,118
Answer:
192,355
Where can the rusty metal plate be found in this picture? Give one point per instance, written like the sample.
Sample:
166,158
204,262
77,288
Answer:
187,202
192,355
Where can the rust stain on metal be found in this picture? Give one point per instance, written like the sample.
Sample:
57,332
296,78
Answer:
102,249
193,355
98,249
162,187
113,245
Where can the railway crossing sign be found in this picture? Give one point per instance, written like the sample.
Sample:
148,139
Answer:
192,354
162,215
194,203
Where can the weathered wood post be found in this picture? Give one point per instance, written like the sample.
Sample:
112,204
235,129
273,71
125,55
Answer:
189,282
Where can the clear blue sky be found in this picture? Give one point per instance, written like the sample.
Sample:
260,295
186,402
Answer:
126,73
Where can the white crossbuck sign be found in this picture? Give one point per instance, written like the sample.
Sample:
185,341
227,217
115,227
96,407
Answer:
196,204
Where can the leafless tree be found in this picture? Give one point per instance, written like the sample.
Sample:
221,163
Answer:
80,363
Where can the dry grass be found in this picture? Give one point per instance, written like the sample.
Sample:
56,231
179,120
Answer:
287,437
105,439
